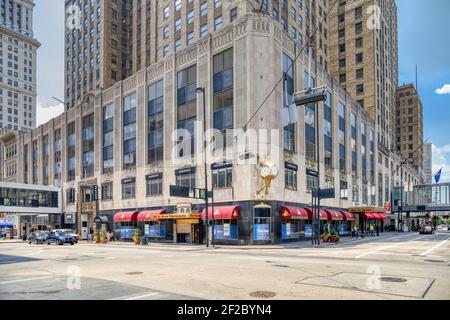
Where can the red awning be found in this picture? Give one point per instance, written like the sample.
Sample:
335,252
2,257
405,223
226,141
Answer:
323,214
334,215
348,216
383,216
369,215
288,213
150,215
222,213
379,216
125,216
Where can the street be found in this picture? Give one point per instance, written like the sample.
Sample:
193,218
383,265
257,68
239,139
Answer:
393,266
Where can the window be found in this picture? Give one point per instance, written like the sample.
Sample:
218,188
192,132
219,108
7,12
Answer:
204,8
71,151
107,191
223,94
359,57
233,14
186,177
186,110
358,28
128,188
156,122
129,131
108,139
177,24
290,176
190,17
359,88
288,89
218,23
166,13
360,73
203,30
190,38
88,146
154,185
359,42
358,13
222,176
177,5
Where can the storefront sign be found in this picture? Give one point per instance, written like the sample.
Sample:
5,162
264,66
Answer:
288,229
180,172
291,166
153,176
308,230
226,229
261,232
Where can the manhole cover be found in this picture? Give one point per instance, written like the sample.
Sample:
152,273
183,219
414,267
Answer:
439,261
263,294
392,279
133,273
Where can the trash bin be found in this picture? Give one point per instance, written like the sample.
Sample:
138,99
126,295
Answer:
24,237
144,241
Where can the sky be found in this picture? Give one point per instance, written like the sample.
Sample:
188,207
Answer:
423,40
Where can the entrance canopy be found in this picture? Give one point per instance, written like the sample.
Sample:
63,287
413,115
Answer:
368,215
222,213
126,216
334,215
348,216
151,215
379,216
6,224
294,213
323,214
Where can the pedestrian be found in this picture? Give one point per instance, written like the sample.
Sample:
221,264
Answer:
112,236
372,231
378,230
108,235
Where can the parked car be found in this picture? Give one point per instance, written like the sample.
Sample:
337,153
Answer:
38,237
69,231
60,238
427,230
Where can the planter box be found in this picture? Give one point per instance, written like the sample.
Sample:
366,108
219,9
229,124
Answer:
334,239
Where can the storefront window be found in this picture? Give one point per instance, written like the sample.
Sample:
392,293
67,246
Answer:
261,227
225,229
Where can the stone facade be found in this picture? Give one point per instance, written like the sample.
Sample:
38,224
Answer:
258,44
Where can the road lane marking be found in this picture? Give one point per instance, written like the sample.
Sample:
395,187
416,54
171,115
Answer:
136,297
24,280
435,247
386,247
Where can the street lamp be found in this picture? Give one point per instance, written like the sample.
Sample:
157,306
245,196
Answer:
310,97
203,92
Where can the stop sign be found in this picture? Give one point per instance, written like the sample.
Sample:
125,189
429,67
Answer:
387,207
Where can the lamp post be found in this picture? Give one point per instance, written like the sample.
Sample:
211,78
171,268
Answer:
203,92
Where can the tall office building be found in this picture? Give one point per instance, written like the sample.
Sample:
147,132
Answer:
427,162
98,46
364,58
409,125
18,50
112,40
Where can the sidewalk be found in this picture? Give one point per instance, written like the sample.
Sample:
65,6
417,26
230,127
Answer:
289,245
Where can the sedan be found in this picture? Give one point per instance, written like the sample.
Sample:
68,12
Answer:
427,230
37,237
60,238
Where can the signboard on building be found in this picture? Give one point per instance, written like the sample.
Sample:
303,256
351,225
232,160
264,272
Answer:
261,232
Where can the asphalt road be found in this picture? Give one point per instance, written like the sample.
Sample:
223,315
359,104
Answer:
394,266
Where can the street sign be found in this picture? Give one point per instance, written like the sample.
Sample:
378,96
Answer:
326,193
95,193
180,192
186,192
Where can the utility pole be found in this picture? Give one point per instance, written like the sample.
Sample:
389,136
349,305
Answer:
202,90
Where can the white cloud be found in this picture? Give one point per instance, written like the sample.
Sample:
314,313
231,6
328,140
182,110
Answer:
444,90
47,108
441,159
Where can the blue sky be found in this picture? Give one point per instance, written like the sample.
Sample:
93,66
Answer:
423,40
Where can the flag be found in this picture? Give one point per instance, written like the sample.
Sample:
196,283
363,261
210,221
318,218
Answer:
437,177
